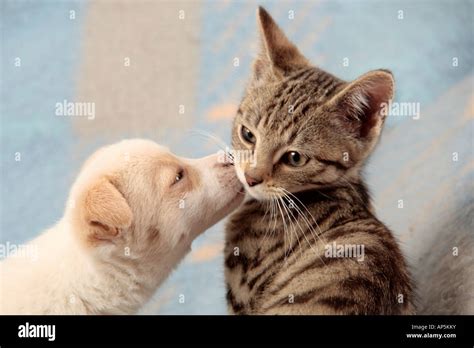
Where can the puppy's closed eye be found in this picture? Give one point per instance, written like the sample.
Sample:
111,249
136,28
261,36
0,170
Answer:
179,176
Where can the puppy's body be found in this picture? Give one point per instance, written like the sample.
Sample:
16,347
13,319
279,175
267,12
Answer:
134,211
67,280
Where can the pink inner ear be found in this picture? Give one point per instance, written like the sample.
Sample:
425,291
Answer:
362,102
371,113
378,93
369,122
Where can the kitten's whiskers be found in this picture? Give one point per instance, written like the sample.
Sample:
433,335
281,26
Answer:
218,141
300,213
313,232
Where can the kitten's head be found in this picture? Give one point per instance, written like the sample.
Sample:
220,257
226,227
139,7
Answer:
299,127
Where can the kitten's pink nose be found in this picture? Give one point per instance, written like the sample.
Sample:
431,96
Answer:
252,181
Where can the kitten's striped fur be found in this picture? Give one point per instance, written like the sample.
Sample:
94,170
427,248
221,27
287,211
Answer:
275,260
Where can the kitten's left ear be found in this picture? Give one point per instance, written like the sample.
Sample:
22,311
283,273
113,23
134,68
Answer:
363,101
278,55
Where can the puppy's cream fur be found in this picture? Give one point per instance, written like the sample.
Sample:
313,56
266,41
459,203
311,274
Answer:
133,213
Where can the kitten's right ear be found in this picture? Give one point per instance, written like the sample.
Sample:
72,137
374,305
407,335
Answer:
103,211
278,55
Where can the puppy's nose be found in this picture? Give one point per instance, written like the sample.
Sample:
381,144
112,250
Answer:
253,181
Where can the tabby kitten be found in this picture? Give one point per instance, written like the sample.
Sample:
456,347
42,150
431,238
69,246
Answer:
309,133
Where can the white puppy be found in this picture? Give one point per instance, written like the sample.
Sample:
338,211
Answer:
134,211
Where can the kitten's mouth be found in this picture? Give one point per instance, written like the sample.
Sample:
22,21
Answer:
258,192
261,194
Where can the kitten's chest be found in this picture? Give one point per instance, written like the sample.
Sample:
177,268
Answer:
249,231
264,247
253,250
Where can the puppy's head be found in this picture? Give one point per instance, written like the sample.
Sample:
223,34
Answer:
137,196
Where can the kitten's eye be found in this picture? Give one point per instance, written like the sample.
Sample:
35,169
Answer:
248,135
294,159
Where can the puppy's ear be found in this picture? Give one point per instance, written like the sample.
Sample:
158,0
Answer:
105,211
